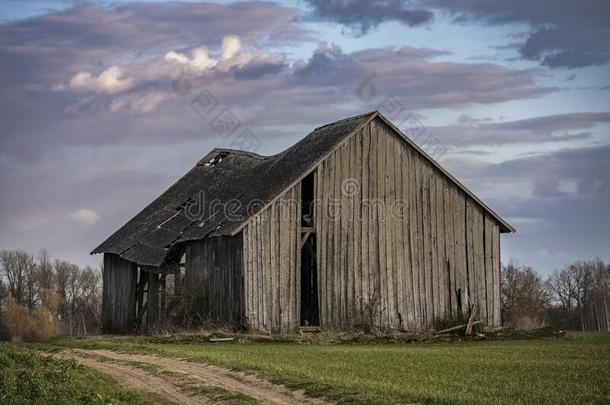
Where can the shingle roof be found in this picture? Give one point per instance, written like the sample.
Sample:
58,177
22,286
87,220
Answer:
239,179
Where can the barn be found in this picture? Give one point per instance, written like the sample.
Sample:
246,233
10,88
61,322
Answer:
353,225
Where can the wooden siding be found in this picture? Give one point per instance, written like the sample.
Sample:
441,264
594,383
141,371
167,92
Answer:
119,294
271,252
214,277
396,234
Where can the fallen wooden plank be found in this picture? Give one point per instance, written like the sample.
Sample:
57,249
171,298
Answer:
226,339
454,328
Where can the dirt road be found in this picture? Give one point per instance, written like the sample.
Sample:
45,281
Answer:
175,381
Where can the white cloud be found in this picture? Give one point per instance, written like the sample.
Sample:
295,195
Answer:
110,81
232,54
139,103
231,45
200,60
85,216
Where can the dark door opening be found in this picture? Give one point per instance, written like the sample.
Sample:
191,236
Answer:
309,284
309,273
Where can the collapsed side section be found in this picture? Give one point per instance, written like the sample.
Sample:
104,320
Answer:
214,280
118,299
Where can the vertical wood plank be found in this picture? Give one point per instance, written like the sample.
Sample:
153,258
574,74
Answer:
440,234
320,243
337,273
373,236
416,239
348,230
358,267
489,268
366,143
390,196
496,274
408,231
296,249
328,226
470,273
434,246
273,267
450,248
328,241
266,242
260,308
399,236
479,257
247,281
383,268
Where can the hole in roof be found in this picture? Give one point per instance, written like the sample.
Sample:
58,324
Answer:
186,204
217,159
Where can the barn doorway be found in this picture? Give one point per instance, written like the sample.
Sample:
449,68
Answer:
309,272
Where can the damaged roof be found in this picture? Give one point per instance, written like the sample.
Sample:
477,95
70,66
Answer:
226,177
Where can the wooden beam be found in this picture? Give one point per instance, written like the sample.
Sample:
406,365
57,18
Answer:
304,239
308,229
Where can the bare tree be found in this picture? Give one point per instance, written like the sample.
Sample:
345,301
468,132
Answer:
524,298
89,300
598,302
45,270
31,285
581,292
3,294
20,272
12,274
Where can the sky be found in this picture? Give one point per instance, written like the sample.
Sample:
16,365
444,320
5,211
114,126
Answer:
103,105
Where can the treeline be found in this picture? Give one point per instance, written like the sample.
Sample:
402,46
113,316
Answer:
575,297
40,297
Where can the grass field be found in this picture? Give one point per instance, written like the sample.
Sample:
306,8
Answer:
571,370
27,377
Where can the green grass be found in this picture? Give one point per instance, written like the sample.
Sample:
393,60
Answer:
28,377
571,370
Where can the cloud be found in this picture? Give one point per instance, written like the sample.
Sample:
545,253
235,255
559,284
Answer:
139,102
110,81
259,67
551,128
285,98
563,34
85,216
51,48
200,60
231,44
569,172
362,15
568,34
325,60
412,77
145,92
247,62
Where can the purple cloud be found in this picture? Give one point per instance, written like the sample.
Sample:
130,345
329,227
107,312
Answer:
362,15
550,128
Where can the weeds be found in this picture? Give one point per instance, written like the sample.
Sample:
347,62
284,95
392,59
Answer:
27,377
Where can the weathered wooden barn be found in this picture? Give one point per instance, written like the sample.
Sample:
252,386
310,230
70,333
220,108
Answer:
354,224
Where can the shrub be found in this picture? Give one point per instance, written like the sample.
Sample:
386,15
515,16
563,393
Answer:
23,324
